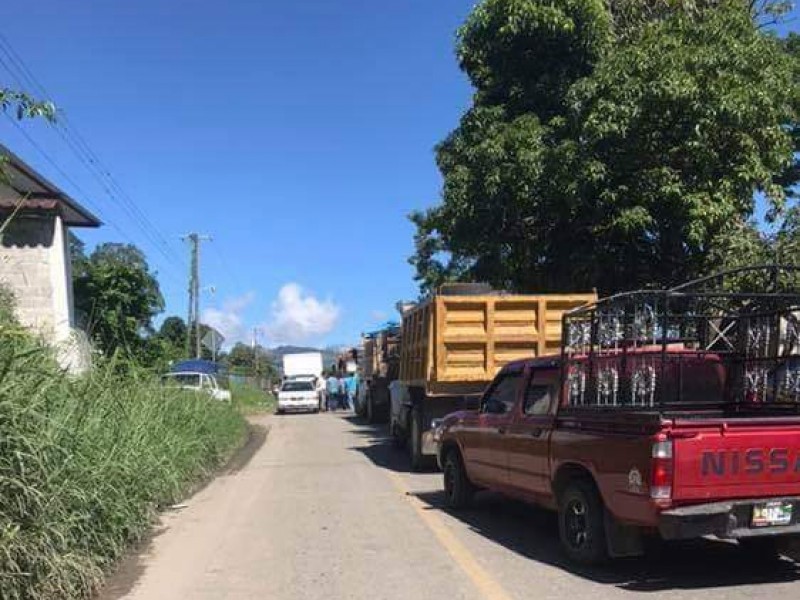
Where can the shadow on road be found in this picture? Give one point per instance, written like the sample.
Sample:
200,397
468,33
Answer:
256,436
533,533
377,445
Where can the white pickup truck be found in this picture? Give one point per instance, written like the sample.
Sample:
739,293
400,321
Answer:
205,383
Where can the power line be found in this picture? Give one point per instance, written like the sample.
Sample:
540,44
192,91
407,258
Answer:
88,157
71,181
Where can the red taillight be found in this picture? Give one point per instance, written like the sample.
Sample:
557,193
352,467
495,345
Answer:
661,471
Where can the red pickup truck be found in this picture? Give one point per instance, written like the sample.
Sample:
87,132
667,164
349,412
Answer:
647,424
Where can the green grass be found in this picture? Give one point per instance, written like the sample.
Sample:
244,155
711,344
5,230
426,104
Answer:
251,400
85,463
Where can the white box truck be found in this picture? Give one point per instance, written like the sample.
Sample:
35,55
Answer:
302,381
304,364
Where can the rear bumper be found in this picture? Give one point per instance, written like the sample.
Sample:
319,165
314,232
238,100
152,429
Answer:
727,520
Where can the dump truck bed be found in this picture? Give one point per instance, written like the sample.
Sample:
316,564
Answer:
456,344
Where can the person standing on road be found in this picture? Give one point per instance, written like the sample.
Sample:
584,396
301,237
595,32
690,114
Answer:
342,393
332,386
351,385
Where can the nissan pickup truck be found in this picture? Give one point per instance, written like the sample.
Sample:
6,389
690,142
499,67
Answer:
678,424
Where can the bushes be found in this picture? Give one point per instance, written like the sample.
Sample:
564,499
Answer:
85,462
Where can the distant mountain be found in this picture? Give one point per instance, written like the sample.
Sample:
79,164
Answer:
281,350
329,353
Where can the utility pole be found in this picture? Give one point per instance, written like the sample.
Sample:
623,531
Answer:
255,351
193,321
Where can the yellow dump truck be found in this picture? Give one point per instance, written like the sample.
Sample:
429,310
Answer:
453,344
380,365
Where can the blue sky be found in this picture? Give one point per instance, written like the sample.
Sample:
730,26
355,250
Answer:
298,135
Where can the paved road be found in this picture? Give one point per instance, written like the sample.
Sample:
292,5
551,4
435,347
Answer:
323,508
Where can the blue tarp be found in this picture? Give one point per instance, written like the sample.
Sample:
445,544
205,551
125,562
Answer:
388,327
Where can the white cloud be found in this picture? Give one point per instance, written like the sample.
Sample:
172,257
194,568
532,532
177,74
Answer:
228,320
298,315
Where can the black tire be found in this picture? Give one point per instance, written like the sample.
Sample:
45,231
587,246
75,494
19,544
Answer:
581,523
458,489
360,408
415,455
398,441
370,409
280,411
764,549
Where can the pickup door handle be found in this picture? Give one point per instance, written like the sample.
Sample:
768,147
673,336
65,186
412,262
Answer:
501,430
536,432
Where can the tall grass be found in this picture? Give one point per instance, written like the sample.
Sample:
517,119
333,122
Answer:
251,400
85,463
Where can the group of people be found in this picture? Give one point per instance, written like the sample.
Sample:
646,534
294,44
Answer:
338,391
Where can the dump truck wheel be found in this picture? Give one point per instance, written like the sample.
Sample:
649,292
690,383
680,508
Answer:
370,410
415,443
397,440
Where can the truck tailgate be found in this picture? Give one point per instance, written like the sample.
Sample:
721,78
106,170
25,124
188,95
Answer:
736,458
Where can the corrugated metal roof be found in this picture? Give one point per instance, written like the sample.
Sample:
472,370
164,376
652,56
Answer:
42,195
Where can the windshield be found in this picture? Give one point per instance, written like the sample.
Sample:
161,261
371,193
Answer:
298,386
182,379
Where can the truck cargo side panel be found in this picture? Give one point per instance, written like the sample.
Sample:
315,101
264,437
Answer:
468,339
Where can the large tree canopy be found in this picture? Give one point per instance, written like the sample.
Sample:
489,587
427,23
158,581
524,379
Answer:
116,296
609,143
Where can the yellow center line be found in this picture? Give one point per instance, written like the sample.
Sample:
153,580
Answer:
488,587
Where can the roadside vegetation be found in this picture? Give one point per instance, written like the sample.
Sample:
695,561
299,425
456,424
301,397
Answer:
86,462
251,400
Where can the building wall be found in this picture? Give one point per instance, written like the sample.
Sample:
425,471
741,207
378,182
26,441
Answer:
35,266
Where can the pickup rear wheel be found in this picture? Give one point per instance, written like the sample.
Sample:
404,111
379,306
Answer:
458,489
581,523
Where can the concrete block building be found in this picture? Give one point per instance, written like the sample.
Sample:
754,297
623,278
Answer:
35,259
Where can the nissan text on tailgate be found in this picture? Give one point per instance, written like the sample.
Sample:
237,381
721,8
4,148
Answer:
669,413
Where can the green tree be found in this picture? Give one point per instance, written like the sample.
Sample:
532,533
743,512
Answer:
241,356
174,330
245,360
610,143
116,297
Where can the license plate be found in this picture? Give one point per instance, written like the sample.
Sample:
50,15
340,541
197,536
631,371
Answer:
770,514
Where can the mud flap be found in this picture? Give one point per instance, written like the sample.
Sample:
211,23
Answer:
623,540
